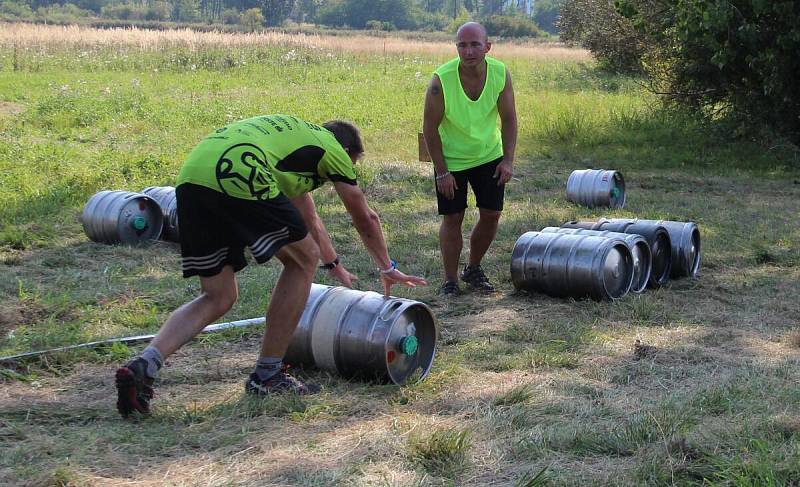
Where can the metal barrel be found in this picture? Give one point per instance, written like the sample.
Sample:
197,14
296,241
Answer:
596,187
165,196
685,239
640,251
362,334
572,265
656,235
121,217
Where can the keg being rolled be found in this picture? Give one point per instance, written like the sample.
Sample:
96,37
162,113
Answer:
656,235
572,265
640,251
121,217
356,333
596,187
165,196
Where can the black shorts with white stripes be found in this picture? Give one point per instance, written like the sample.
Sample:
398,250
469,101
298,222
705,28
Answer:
215,229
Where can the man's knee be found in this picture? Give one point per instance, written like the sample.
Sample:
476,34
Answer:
223,298
303,255
453,220
490,216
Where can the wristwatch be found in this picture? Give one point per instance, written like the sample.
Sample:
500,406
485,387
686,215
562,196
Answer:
330,265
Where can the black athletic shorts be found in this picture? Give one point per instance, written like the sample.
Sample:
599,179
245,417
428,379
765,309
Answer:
488,195
215,228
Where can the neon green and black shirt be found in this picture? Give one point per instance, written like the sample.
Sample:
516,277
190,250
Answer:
261,157
469,131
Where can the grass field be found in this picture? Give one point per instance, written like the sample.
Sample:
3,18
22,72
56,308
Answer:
525,389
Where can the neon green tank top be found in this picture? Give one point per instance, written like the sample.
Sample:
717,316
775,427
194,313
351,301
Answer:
469,131
262,157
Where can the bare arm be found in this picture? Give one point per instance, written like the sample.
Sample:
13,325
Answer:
305,205
508,130
368,226
434,113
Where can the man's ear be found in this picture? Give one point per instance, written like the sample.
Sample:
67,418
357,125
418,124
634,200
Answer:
488,46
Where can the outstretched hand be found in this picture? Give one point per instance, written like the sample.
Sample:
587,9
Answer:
343,275
396,277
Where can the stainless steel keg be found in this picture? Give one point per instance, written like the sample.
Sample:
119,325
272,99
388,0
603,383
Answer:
656,235
572,265
640,251
596,187
121,217
685,239
356,333
165,196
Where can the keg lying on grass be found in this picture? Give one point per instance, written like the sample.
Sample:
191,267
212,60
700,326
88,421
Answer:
656,235
344,331
165,196
121,217
640,251
362,334
596,187
684,238
572,265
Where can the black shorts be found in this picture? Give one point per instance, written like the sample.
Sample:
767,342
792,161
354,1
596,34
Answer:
488,195
215,228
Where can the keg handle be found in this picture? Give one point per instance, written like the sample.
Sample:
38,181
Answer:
389,310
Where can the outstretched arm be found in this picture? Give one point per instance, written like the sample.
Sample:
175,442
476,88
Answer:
305,205
368,225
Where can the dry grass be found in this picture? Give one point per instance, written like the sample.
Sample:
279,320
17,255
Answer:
28,35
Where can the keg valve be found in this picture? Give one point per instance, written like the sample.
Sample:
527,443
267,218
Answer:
139,223
409,345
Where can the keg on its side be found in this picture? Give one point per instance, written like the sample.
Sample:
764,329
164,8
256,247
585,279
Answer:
121,217
356,333
656,235
596,187
640,251
685,238
572,265
165,196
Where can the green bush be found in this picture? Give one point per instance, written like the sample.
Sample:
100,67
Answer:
725,58
597,26
511,26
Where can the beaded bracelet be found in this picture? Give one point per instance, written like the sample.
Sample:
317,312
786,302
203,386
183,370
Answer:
442,176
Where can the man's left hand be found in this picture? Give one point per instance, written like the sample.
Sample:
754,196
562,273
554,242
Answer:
397,277
343,275
503,172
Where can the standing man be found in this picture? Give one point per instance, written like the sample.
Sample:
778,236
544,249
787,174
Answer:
247,185
462,105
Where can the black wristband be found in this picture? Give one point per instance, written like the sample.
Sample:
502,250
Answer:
330,265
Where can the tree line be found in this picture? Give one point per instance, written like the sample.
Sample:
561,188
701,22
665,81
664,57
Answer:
513,18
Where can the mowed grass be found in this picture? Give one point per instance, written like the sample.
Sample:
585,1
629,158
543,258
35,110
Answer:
525,389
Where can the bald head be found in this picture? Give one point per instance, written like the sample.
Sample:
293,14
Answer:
472,29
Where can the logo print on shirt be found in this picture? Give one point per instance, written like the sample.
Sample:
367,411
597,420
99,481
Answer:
243,169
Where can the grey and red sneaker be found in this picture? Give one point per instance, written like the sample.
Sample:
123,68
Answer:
134,388
278,384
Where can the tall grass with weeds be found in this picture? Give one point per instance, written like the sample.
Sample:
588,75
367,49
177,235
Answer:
442,453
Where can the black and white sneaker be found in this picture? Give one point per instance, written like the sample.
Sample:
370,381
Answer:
450,288
278,384
476,279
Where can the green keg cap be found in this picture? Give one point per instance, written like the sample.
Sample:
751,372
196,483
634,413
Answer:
139,223
615,192
409,345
